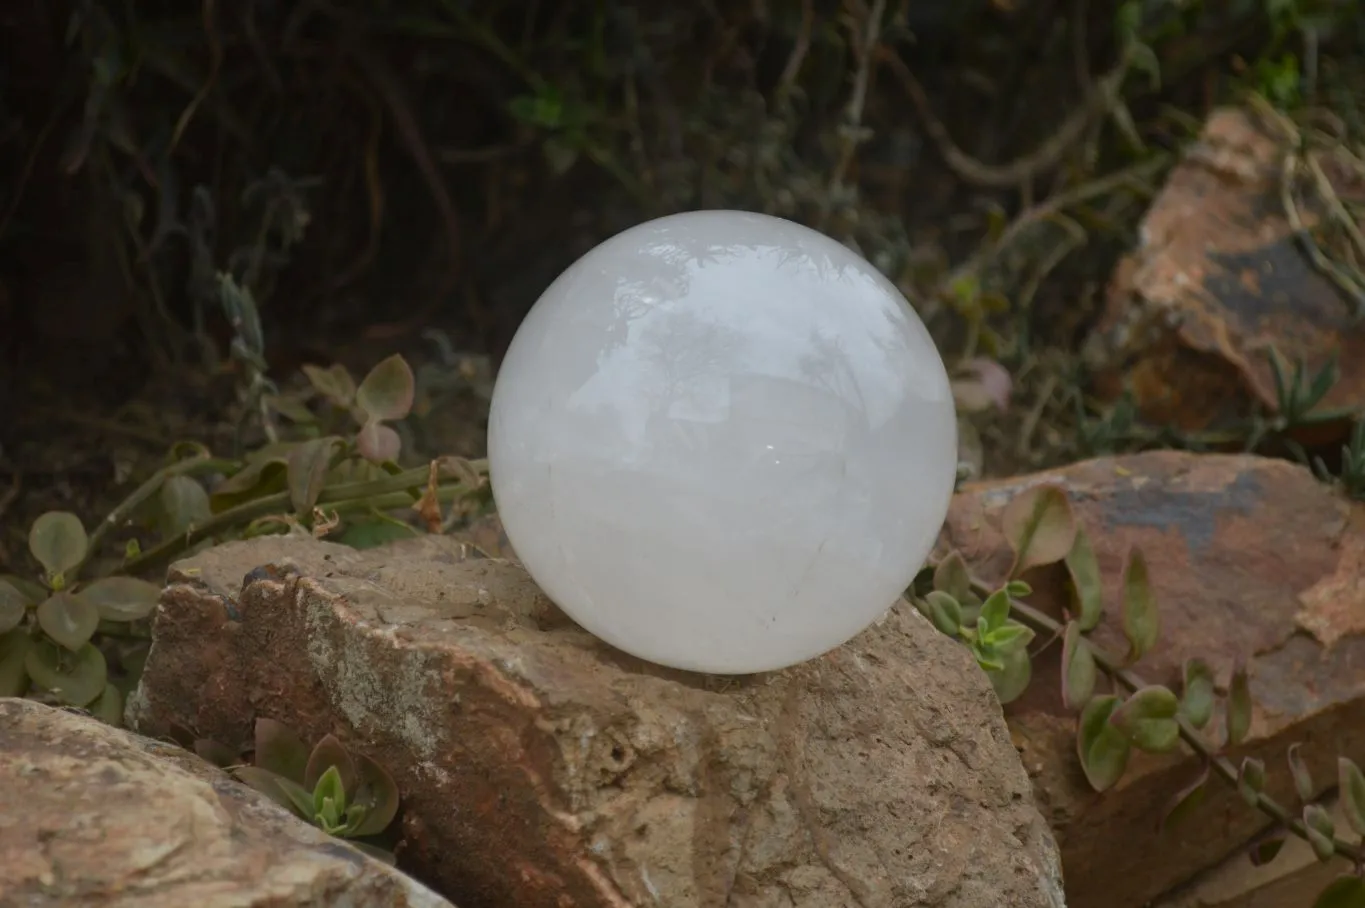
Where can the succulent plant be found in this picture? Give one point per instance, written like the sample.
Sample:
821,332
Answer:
345,794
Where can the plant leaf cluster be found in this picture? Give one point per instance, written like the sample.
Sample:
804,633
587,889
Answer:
345,794
1127,714
60,630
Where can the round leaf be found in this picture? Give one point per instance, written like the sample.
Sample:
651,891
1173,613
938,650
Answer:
328,754
76,678
1147,718
306,471
182,503
1141,624
1040,527
1083,569
1102,748
1251,780
1196,703
1012,679
378,443
280,750
1078,668
387,392
69,619
1303,779
377,793
1352,785
57,540
122,598
13,606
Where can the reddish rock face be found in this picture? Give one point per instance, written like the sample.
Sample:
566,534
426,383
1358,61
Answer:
1250,559
94,817
541,769
1218,278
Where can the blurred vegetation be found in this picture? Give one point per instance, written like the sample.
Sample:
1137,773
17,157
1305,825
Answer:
202,197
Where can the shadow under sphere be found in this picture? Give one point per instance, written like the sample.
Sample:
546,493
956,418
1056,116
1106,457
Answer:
722,442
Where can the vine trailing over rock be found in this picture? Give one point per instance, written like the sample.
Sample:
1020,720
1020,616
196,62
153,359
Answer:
997,625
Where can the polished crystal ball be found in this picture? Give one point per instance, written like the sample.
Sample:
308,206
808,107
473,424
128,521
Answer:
722,442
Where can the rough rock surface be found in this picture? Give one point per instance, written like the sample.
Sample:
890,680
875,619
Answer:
95,817
542,769
1249,558
1217,279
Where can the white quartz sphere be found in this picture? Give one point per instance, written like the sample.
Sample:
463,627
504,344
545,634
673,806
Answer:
721,441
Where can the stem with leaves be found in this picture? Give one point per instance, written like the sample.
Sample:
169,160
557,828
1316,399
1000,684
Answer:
997,625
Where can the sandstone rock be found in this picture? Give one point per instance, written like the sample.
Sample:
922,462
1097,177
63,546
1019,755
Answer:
1250,558
542,769
95,817
1218,278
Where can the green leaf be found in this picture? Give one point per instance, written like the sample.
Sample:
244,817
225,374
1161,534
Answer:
329,796
1010,637
1320,828
1196,703
57,540
32,591
1343,892
1102,748
995,611
13,606
108,706
387,392
378,443
1238,706
1141,623
1147,718
1303,779
68,619
1087,589
182,503
1012,678
1039,526
122,598
280,750
1186,801
306,471
944,612
951,577
76,678
13,673
263,474
334,383
1017,589
1352,786
1251,780
278,789
1078,667
329,754
377,792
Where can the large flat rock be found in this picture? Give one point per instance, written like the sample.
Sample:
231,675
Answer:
95,817
1250,558
1219,277
542,769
